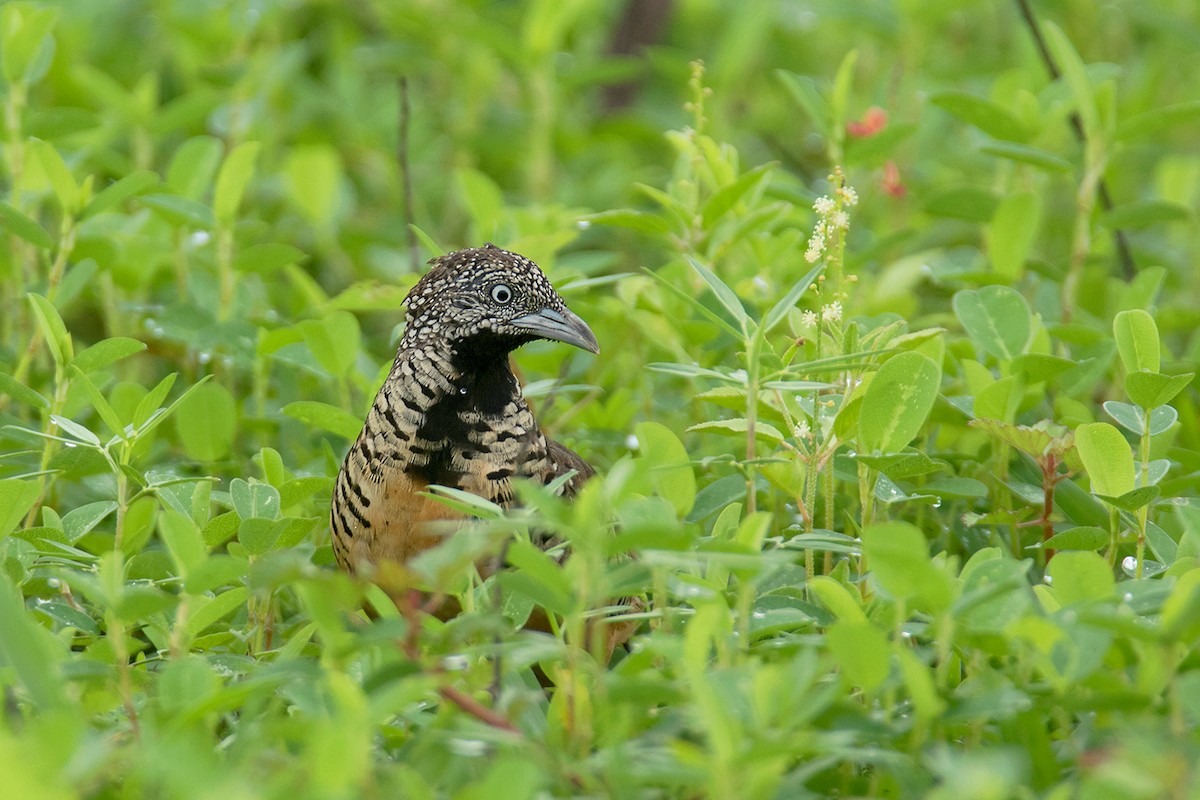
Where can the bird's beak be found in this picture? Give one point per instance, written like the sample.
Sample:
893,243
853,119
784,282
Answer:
561,326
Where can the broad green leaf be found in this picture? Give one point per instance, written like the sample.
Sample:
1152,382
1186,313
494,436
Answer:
1107,458
193,166
314,175
325,417
1039,367
669,464
61,180
1012,231
738,427
898,556
1180,621
119,191
897,402
899,466
183,540
862,651
1153,389
232,181
25,227
723,293
206,612
1137,340
838,599
1081,538
53,329
997,319
991,118
107,352
1078,576
16,498
254,500
334,341
206,422
1133,418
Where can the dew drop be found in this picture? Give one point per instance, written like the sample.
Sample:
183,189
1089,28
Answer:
204,357
469,747
758,615
1127,597
631,442
1129,563
583,224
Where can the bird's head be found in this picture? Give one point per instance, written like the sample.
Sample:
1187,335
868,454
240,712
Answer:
487,300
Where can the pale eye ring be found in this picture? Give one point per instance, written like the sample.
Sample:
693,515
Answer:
501,294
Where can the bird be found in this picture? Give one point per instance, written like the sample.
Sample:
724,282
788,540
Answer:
451,412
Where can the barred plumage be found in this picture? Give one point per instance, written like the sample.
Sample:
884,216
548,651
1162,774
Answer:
451,411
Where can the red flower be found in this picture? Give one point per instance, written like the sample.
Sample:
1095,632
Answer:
872,123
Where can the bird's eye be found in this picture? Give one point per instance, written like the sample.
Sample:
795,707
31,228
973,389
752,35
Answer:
501,293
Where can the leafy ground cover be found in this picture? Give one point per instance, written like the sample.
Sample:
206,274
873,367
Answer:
894,408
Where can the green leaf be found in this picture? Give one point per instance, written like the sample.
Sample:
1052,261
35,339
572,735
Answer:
1153,389
254,499
897,402
1012,231
193,166
325,417
1081,538
642,221
1025,154
997,319
53,329
1074,75
107,352
1133,499
804,90
1137,340
1133,418
971,203
25,227
723,293
180,211
728,196
1078,576
16,498
266,259
119,191
1159,119
61,180
862,651
232,181
206,612
788,301
79,521
1107,458
101,404
314,175
183,540
206,422
1144,213
898,466
19,391
29,651
334,341
669,464
991,118
738,427
898,557
27,39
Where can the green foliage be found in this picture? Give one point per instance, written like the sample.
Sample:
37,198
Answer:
899,467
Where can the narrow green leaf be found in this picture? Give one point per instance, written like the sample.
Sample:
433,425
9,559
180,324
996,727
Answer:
897,402
25,227
723,293
990,117
1107,458
19,391
1074,75
789,300
232,180
61,180
107,352
631,219
1025,154
208,612
101,404
193,166
1144,213
728,196
1011,233
119,191
29,651
180,211
1133,499
1081,538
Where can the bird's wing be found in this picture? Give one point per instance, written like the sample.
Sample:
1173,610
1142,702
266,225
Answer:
562,459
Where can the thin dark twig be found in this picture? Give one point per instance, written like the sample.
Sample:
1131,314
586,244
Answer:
1124,253
414,256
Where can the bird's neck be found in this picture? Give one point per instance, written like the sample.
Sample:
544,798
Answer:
438,380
